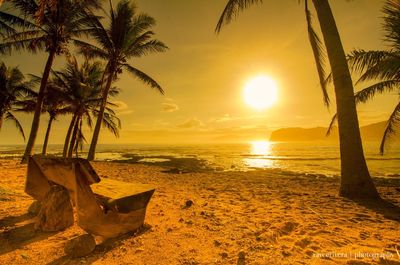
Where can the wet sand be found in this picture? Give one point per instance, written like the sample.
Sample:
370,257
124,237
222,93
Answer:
271,216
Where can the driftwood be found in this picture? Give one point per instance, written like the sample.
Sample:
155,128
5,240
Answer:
115,209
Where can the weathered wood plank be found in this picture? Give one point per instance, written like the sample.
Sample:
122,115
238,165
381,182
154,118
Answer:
126,196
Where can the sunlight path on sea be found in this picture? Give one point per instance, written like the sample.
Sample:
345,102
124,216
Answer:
260,150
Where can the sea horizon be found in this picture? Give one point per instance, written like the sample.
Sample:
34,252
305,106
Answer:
314,158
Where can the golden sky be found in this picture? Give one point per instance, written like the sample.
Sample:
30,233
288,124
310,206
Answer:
203,74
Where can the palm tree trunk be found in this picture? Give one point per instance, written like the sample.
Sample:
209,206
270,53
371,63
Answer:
96,132
46,138
38,108
73,139
356,181
68,137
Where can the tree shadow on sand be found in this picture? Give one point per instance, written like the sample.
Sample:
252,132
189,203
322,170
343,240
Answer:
102,248
12,220
384,207
13,237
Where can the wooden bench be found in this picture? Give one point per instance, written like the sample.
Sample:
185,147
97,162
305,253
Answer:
105,207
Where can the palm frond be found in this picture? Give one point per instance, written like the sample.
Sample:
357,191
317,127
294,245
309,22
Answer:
319,54
143,77
390,129
360,60
90,50
391,23
231,11
112,123
12,21
386,69
368,93
10,116
31,44
147,48
331,124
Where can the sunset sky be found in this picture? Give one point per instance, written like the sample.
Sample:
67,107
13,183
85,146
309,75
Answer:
204,74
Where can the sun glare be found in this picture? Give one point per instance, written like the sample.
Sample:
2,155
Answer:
260,92
260,147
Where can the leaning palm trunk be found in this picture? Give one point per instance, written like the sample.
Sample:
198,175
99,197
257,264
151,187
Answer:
68,137
38,108
46,138
356,181
73,138
96,132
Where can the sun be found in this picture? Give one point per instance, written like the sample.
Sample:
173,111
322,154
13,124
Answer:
260,92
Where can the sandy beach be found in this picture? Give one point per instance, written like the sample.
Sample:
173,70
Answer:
271,216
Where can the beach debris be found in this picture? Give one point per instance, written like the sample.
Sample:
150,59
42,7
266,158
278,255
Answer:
138,250
188,204
224,255
241,258
80,246
288,227
34,208
217,243
56,213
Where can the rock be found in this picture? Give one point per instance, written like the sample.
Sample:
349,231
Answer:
56,213
217,243
34,208
224,255
188,204
241,258
80,246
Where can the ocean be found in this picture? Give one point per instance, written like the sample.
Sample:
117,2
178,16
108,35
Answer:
304,157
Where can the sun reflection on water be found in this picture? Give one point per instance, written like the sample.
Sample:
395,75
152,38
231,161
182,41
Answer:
260,149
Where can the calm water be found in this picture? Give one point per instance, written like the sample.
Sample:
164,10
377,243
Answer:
315,158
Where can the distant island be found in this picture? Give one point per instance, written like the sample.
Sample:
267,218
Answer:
371,132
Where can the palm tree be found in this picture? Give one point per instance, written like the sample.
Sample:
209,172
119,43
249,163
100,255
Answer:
127,35
81,86
13,88
60,24
383,66
53,104
356,181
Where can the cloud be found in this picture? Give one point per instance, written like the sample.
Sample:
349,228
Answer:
169,107
190,123
228,118
122,108
373,116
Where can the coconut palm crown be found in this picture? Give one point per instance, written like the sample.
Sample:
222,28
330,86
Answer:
127,34
384,66
13,89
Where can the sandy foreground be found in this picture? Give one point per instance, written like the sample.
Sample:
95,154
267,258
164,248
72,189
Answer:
273,217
